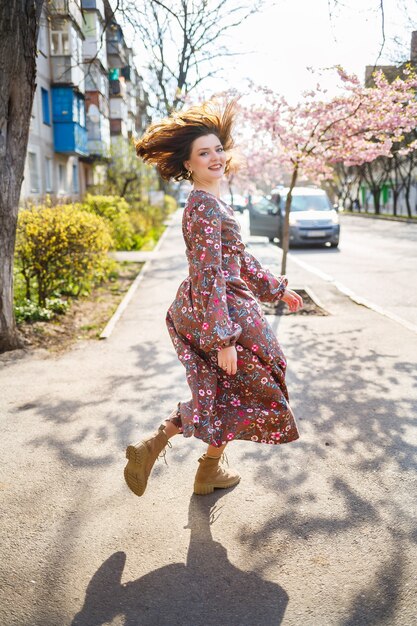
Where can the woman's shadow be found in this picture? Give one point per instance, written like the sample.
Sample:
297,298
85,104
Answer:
204,591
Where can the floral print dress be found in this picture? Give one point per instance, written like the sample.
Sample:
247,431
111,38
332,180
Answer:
217,306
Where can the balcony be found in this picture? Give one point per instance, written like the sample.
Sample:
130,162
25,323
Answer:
118,109
71,139
93,5
94,44
126,72
118,128
117,88
98,134
66,8
100,102
96,79
68,114
66,72
116,49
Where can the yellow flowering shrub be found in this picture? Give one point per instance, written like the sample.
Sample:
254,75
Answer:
115,211
61,249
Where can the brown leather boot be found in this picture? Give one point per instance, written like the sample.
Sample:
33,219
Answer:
141,458
211,475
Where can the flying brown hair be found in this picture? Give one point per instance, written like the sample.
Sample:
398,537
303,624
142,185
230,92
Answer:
167,143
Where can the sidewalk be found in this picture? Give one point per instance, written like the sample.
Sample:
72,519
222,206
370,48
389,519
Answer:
320,532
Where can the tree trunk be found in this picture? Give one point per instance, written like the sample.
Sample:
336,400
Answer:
395,195
286,229
19,26
407,201
376,194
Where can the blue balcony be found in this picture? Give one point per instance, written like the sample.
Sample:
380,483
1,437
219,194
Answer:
68,115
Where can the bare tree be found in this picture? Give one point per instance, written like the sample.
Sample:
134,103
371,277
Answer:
19,26
334,5
184,40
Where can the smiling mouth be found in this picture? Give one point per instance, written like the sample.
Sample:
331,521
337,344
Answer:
216,167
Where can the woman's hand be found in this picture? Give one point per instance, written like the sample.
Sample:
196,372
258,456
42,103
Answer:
294,301
227,359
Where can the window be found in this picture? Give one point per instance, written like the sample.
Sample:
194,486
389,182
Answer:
48,174
308,203
60,44
61,178
75,186
42,36
46,114
33,172
264,205
89,26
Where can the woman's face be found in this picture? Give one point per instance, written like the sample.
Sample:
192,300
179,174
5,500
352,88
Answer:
207,159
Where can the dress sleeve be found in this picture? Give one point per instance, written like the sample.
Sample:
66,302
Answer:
261,281
217,330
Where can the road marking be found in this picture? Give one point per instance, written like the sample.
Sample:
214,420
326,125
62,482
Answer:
352,295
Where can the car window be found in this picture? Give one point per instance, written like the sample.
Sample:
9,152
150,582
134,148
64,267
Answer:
308,203
263,205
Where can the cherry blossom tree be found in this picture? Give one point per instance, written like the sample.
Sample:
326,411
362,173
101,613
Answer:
353,128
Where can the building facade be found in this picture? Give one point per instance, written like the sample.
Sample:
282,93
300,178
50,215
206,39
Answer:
399,188
88,95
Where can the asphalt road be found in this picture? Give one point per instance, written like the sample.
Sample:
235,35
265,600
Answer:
376,260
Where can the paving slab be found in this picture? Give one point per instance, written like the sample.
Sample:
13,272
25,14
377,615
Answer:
319,532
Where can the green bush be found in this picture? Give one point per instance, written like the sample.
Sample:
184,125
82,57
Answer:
28,310
61,250
147,224
170,204
115,211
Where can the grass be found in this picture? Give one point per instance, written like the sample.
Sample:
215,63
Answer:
86,316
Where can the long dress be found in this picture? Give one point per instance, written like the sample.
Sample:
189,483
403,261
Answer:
217,306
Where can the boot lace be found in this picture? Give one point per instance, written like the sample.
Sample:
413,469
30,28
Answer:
168,443
163,453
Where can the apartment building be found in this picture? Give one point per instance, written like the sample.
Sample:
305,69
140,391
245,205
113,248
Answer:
88,94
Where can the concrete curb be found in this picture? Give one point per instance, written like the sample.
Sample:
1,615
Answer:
354,297
133,287
387,218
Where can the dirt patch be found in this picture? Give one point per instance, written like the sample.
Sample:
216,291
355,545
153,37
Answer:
86,317
310,307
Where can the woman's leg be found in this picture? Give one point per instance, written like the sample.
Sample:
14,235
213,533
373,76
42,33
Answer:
171,429
142,456
211,474
214,452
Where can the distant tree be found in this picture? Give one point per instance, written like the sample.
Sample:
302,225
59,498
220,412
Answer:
183,42
357,127
126,175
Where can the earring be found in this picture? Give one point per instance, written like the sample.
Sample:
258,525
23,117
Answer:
189,172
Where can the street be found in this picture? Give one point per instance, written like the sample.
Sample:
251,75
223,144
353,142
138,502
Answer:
376,260
319,532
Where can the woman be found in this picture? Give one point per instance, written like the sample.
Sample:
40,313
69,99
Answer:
234,364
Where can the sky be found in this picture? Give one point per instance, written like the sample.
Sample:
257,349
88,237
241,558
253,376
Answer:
282,41
288,36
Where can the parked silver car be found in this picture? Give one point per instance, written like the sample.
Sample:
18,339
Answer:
237,201
313,219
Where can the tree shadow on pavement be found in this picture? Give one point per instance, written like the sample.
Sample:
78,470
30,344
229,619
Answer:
348,480
207,590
